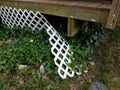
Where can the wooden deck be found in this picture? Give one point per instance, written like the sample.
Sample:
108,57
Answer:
76,9
90,10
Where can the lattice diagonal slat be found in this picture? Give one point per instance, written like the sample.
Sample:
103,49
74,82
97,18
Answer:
35,20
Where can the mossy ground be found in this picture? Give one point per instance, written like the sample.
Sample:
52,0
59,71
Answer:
107,58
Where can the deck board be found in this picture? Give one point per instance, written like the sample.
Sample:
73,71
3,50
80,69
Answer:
73,3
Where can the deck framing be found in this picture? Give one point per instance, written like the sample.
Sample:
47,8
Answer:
97,12
114,14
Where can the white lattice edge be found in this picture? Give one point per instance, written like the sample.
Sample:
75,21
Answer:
35,20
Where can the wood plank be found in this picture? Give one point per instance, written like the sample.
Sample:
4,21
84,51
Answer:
75,3
114,14
81,10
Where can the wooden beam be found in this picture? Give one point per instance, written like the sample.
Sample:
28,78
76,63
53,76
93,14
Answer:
87,11
114,14
73,27
80,10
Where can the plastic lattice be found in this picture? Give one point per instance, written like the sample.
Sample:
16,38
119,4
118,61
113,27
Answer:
35,20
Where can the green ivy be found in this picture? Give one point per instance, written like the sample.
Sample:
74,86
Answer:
82,46
24,46
16,47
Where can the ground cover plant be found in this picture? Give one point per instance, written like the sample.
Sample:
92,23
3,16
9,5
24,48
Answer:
22,46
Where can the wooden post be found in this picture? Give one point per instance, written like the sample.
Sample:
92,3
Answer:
114,14
73,27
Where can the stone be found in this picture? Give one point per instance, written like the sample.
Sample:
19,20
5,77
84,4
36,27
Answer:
22,67
98,86
42,70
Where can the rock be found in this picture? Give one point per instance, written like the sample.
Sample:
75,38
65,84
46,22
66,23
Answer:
22,67
85,71
9,40
98,86
42,70
92,63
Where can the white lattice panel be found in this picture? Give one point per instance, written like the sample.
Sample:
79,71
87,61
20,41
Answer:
35,20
